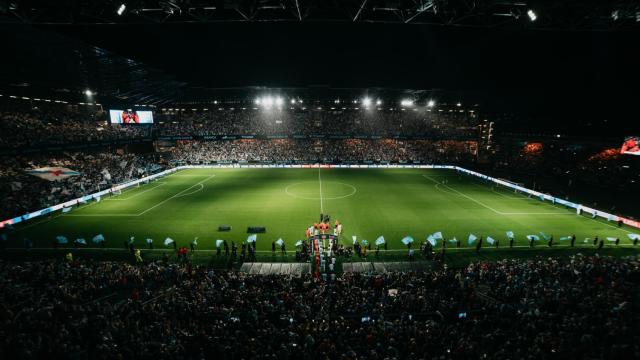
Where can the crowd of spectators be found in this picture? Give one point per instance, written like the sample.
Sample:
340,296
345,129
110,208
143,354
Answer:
450,124
573,170
348,150
572,308
23,192
595,163
40,126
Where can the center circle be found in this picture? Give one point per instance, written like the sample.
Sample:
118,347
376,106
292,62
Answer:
310,190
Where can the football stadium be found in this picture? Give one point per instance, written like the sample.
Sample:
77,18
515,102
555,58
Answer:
300,179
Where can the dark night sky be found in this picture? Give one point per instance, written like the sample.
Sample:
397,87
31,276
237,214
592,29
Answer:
571,77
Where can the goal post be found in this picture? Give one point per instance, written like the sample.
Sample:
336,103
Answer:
512,183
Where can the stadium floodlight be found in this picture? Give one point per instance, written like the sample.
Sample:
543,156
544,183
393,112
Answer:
532,15
366,102
121,9
88,92
279,101
431,103
293,101
406,102
267,101
459,104
615,15
378,102
258,101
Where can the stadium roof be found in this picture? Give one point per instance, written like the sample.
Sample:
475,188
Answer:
543,14
571,77
49,65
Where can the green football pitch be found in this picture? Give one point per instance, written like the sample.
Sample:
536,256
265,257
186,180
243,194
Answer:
368,202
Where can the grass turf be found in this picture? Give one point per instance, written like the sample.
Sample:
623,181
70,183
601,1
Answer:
368,202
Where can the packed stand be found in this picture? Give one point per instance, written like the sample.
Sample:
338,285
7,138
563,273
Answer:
579,307
350,150
573,170
25,126
386,123
23,192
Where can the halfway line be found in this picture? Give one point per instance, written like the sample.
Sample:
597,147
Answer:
320,181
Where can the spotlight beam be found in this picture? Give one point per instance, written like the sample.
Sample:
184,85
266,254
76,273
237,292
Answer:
420,10
364,3
298,8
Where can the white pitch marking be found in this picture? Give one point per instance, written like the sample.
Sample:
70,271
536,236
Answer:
320,181
193,192
99,215
174,196
492,209
353,192
180,194
132,196
188,175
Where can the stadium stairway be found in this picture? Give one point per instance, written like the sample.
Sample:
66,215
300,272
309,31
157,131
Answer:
272,268
385,267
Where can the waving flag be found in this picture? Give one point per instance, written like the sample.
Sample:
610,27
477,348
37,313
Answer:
490,240
510,234
634,236
219,243
298,243
544,236
81,241
365,242
149,241
407,240
454,240
565,238
380,240
610,238
432,240
279,242
52,173
252,238
438,235
168,241
98,238
472,239
354,239
61,239
533,237
586,240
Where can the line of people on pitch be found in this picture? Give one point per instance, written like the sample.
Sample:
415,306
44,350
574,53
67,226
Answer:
427,248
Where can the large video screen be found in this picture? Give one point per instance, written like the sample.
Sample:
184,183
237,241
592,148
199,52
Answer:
131,117
631,145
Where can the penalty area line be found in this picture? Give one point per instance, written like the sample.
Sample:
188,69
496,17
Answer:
179,194
489,207
134,195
